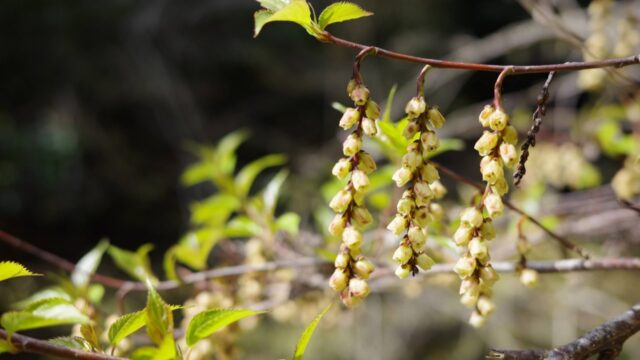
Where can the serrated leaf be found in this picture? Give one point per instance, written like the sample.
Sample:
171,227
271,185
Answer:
159,318
48,312
297,11
248,174
71,342
207,322
272,191
339,12
136,264
88,265
126,325
10,269
308,332
289,222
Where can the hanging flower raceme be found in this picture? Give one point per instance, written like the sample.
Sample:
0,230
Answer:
352,269
497,148
416,209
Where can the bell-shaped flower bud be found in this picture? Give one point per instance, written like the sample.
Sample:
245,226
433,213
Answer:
438,190
363,268
478,248
397,225
437,211
430,141
411,160
471,217
489,275
342,260
373,110
477,320
402,176
429,173
510,135
435,117
359,94
410,130
470,297
403,271
493,204
500,187
418,237
462,235
508,154
424,262
421,217
362,216
487,230
405,206
337,225
349,118
369,127
351,145
465,266
403,254
529,278
498,120
341,168
423,190
485,306
415,107
352,238
492,171
486,143
485,114
360,180
359,288
340,201
366,163
338,280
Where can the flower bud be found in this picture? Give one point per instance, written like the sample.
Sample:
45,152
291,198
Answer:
437,211
363,268
340,201
350,86
485,306
422,190
397,225
373,110
472,217
402,254
351,145
402,176
500,187
422,201
342,261
362,216
429,140
349,118
405,206
358,198
417,235
352,238
359,288
341,168
529,278
469,284
477,320
410,130
429,173
492,171
435,117
338,280
369,127
465,266
498,120
487,230
403,271
478,248
510,135
359,95
422,217
470,297
336,227
493,204
508,154
485,114
366,163
415,107
462,235
348,300
360,180
438,190
424,262
411,160
489,275
486,143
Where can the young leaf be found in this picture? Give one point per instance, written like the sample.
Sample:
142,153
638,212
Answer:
10,269
71,342
126,325
48,312
88,265
248,174
341,11
289,222
273,5
306,335
166,349
48,293
242,226
5,346
296,11
272,191
207,322
159,318
136,264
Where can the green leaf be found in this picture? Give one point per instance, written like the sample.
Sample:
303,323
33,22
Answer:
136,264
144,353
339,12
10,269
126,325
72,342
194,248
95,293
214,210
273,5
248,174
308,332
166,349
48,312
386,116
207,322
272,191
5,346
88,265
242,226
48,293
289,222
296,11
159,318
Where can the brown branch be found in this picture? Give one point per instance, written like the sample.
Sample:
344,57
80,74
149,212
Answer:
30,345
535,127
606,341
629,205
516,69
497,88
565,242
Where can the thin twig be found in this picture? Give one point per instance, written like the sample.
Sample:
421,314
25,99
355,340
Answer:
565,242
606,341
516,69
630,206
30,345
497,88
538,114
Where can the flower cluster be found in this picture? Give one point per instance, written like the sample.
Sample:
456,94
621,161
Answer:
416,207
496,146
351,268
626,182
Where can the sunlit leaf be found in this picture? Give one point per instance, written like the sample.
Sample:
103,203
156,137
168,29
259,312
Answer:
136,264
126,325
296,11
301,347
159,318
339,12
207,322
5,346
71,342
48,312
48,293
88,265
166,349
248,174
144,353
10,269
289,222
242,226
95,293
272,191
386,115
214,210
273,5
